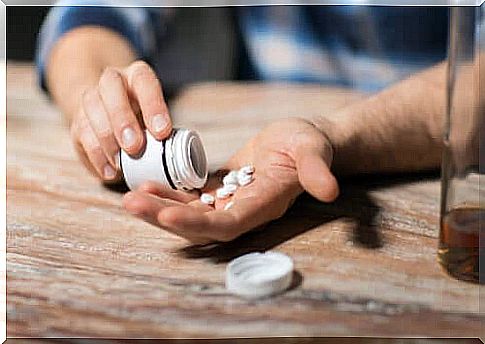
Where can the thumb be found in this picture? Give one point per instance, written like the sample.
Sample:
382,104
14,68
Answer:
314,173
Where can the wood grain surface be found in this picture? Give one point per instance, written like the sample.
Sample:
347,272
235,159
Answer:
78,265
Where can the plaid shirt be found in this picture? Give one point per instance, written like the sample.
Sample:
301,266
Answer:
363,47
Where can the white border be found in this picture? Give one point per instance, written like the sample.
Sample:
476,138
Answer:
3,173
227,3
142,3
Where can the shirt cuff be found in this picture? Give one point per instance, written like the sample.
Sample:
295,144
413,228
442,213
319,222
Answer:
135,24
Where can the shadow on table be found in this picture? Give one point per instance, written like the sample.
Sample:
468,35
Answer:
353,204
120,187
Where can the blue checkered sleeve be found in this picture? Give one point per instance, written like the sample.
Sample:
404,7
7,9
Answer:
139,26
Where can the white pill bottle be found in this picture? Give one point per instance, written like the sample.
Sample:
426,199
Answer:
178,162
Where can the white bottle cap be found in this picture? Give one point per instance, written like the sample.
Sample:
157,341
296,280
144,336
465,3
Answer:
257,275
179,162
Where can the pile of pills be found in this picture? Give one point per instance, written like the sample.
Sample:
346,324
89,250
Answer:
230,183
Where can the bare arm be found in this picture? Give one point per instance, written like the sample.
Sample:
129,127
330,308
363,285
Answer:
401,128
398,129
78,60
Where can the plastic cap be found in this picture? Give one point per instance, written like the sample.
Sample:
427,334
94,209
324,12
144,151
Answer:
258,275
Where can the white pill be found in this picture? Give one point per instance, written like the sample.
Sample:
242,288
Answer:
223,193
228,205
242,174
207,198
248,169
230,188
230,178
245,180
257,275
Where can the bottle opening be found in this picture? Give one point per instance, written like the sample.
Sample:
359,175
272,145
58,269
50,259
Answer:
187,162
198,159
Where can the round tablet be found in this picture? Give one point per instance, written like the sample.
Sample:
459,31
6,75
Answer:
230,178
228,205
257,275
222,193
231,188
207,198
244,179
248,169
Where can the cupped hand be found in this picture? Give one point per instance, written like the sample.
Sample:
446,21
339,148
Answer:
113,114
289,156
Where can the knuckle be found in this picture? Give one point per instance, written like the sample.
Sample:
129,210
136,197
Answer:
140,66
141,73
109,74
108,143
139,80
96,153
89,95
106,136
88,140
122,111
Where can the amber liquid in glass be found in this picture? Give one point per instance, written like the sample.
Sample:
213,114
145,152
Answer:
459,250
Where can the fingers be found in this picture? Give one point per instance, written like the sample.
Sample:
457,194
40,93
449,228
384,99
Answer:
82,156
314,174
111,111
163,191
146,206
146,88
187,222
149,207
87,142
197,222
98,119
217,225
124,123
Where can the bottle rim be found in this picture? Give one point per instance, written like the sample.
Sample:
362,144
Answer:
186,159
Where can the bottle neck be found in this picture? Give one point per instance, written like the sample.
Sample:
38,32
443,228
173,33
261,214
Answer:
186,160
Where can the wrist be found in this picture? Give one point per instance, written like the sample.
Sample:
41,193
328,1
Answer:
77,61
337,135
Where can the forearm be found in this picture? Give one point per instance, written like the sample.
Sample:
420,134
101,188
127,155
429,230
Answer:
77,61
399,129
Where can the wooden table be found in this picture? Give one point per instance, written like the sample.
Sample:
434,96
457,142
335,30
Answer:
78,265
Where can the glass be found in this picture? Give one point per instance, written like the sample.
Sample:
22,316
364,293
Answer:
462,232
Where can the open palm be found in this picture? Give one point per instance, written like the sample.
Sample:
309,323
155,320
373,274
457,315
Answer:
289,156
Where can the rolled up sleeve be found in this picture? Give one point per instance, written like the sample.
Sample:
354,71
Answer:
138,25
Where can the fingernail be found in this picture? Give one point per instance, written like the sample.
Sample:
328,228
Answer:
109,172
129,137
159,123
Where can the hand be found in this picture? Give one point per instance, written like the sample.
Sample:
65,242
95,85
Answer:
108,118
289,157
